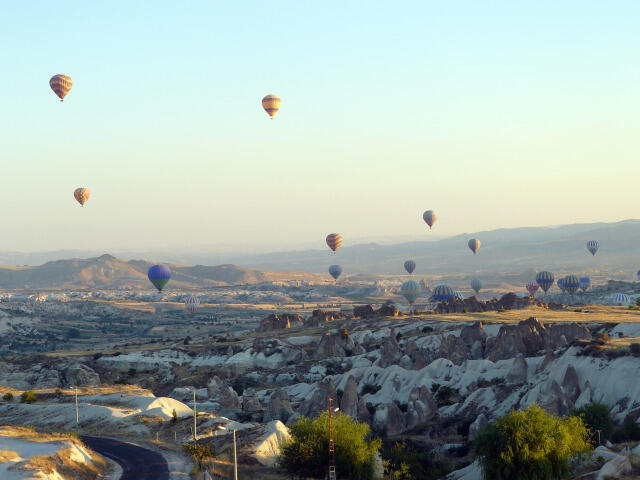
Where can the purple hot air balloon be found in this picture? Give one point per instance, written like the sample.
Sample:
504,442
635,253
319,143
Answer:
159,275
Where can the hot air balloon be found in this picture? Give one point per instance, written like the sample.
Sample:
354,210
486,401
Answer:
622,299
410,266
458,295
561,284
476,284
192,304
545,280
335,271
571,284
159,275
638,274
411,291
593,246
61,84
81,195
271,103
334,240
430,217
474,245
532,288
585,283
443,292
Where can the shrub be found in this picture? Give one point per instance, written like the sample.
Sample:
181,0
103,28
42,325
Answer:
596,416
238,387
427,329
629,431
635,348
305,454
28,397
408,461
530,445
8,397
602,338
370,388
174,416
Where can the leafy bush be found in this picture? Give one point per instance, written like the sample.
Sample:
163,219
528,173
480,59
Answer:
28,397
370,388
444,395
8,397
427,329
199,452
174,416
596,416
629,431
238,387
408,461
306,453
530,445
635,348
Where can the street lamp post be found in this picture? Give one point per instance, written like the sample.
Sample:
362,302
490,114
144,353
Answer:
332,453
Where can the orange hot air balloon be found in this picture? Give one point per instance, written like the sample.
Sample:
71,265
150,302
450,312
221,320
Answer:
271,103
61,84
81,195
334,240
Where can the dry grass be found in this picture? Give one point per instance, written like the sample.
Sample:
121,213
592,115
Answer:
8,456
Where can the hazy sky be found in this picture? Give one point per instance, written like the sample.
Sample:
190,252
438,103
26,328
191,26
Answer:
495,114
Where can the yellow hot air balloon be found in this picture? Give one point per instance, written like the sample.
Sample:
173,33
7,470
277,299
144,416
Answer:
61,84
271,103
81,195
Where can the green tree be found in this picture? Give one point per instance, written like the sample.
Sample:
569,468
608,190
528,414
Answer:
306,454
530,445
596,416
8,397
407,461
28,397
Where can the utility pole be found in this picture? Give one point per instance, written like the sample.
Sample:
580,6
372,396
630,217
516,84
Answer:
195,434
235,457
77,416
332,453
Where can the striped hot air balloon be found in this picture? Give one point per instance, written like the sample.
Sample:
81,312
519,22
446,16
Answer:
430,217
443,292
411,291
622,299
192,304
474,245
571,284
585,283
271,104
81,195
476,284
334,240
458,295
159,275
545,280
61,84
410,266
532,288
593,246
335,271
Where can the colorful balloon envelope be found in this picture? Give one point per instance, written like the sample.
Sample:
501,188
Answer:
61,84
561,284
532,288
474,245
411,291
443,292
593,246
335,271
430,217
585,283
192,304
334,240
271,104
81,195
476,284
410,266
571,284
622,299
545,280
159,276
458,295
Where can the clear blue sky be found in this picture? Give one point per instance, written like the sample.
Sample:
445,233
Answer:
495,114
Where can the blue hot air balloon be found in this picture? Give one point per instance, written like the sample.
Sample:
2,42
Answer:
585,283
159,275
410,266
545,280
443,292
571,284
561,284
621,299
638,274
476,284
335,271
411,291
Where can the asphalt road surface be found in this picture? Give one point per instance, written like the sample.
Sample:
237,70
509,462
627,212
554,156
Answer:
137,463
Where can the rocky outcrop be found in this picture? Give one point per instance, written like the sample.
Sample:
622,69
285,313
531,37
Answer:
390,352
250,401
320,317
279,321
509,301
278,407
335,345
469,345
349,400
79,375
388,309
318,401
476,426
421,408
518,372
363,311
218,391
571,384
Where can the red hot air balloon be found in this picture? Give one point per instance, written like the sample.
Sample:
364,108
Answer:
334,240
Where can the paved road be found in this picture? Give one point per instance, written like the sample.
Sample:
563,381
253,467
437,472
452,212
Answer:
137,463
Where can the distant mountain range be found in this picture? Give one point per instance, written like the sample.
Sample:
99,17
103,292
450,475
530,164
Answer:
517,253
